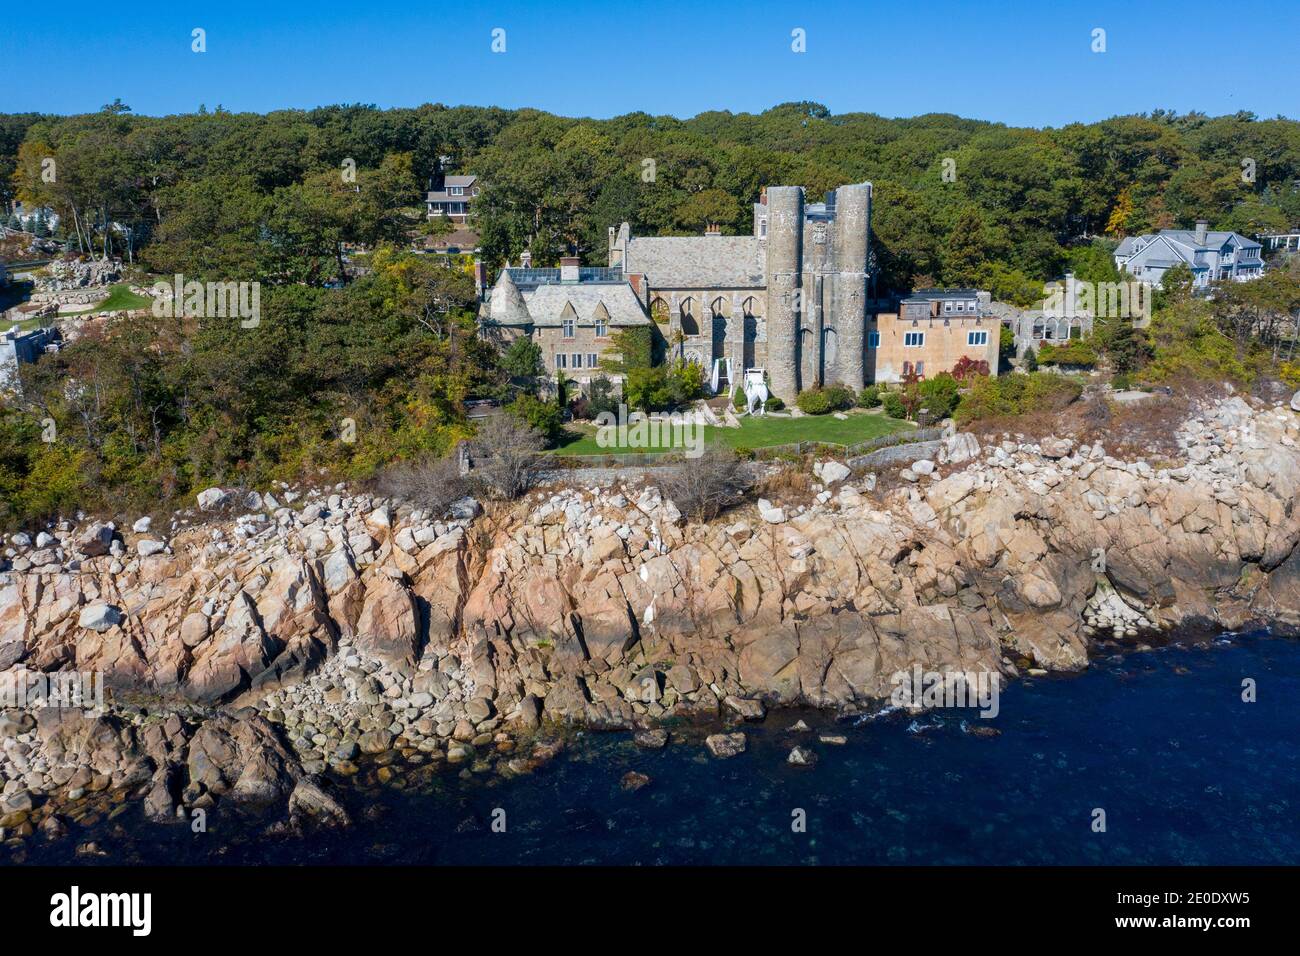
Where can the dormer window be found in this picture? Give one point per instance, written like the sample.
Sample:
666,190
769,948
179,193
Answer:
566,328
455,190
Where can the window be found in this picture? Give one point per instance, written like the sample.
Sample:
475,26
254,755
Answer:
947,307
592,360
913,340
577,360
873,340
456,191
602,328
920,370
561,360
566,328
977,338
762,227
961,306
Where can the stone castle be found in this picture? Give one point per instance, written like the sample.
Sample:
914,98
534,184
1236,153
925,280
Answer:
791,297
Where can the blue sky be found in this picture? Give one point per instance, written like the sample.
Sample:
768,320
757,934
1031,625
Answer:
1022,63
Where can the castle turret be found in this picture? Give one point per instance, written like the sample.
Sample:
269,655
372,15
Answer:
784,264
852,226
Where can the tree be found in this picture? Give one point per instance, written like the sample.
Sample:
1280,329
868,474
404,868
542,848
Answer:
507,455
703,487
522,360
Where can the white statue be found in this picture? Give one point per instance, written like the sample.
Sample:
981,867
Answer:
756,393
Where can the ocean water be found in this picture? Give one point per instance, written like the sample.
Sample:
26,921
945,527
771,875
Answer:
1161,741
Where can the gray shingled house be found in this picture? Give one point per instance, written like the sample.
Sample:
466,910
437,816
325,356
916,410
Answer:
1212,256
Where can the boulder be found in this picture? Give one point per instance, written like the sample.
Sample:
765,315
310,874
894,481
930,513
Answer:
97,541
834,471
389,625
801,757
99,617
211,499
723,746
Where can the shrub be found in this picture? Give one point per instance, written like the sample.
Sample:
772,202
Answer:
430,483
869,397
1017,394
774,404
738,399
546,417
823,400
702,487
813,401
506,455
1075,352
664,386
966,368
841,397
894,406
939,395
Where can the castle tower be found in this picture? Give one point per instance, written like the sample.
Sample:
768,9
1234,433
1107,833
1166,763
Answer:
852,226
784,265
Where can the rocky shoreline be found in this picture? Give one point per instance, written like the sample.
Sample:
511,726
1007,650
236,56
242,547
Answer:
264,646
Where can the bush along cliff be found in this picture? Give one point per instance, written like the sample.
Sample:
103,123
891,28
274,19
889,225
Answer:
259,652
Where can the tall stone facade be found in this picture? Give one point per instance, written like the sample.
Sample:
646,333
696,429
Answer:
790,298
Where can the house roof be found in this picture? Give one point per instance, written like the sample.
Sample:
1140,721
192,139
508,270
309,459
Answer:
548,305
506,305
930,295
443,194
698,262
1182,243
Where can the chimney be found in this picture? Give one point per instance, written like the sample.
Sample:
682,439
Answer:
713,229
569,268
1202,228
762,196
480,278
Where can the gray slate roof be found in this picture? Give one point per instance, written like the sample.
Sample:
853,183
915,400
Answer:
698,262
544,306
546,303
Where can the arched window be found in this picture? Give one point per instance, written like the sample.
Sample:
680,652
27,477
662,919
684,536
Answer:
690,321
659,310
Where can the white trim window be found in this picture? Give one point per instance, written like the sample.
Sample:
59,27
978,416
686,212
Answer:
561,360
575,360
913,340
873,340
566,328
602,328
976,339
592,360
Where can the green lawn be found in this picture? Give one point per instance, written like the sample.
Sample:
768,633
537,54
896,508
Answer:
754,433
120,298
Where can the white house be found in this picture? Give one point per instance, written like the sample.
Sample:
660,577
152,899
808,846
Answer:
1212,256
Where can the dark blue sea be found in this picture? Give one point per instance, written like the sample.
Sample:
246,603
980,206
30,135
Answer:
1161,741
